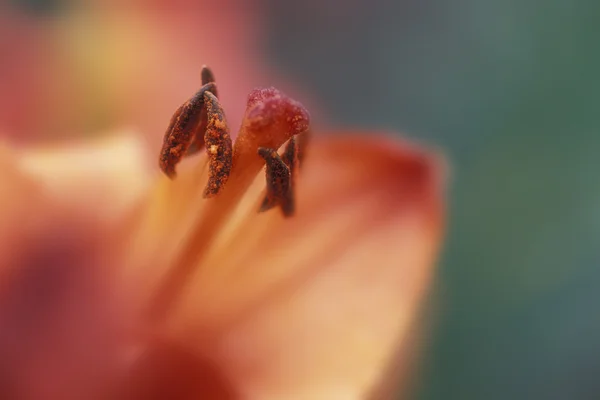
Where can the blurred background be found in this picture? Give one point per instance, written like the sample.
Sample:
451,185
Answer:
508,89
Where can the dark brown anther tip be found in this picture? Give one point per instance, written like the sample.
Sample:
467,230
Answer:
207,75
218,146
279,183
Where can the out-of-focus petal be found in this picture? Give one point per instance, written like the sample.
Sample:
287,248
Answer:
18,195
62,315
316,306
105,176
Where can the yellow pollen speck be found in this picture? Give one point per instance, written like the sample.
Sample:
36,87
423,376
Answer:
213,149
220,124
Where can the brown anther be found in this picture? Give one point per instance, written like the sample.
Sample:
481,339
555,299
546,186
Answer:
218,146
279,183
198,140
182,129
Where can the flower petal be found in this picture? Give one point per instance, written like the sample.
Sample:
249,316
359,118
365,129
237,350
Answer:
315,306
107,175
63,318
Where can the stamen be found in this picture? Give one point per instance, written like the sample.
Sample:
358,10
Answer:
197,144
218,146
181,130
279,181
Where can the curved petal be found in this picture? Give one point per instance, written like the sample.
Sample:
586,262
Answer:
105,176
62,317
315,306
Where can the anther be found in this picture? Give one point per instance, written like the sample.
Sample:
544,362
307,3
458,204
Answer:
218,146
279,182
182,128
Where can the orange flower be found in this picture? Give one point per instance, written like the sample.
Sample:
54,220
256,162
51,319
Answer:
109,273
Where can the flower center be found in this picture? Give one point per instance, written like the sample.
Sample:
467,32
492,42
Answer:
271,120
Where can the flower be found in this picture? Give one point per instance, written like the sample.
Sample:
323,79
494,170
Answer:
117,283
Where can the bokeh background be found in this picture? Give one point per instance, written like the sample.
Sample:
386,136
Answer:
508,89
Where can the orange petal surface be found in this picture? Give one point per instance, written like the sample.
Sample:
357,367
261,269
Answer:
317,305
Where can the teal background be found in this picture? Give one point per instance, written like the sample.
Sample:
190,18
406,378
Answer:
510,91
